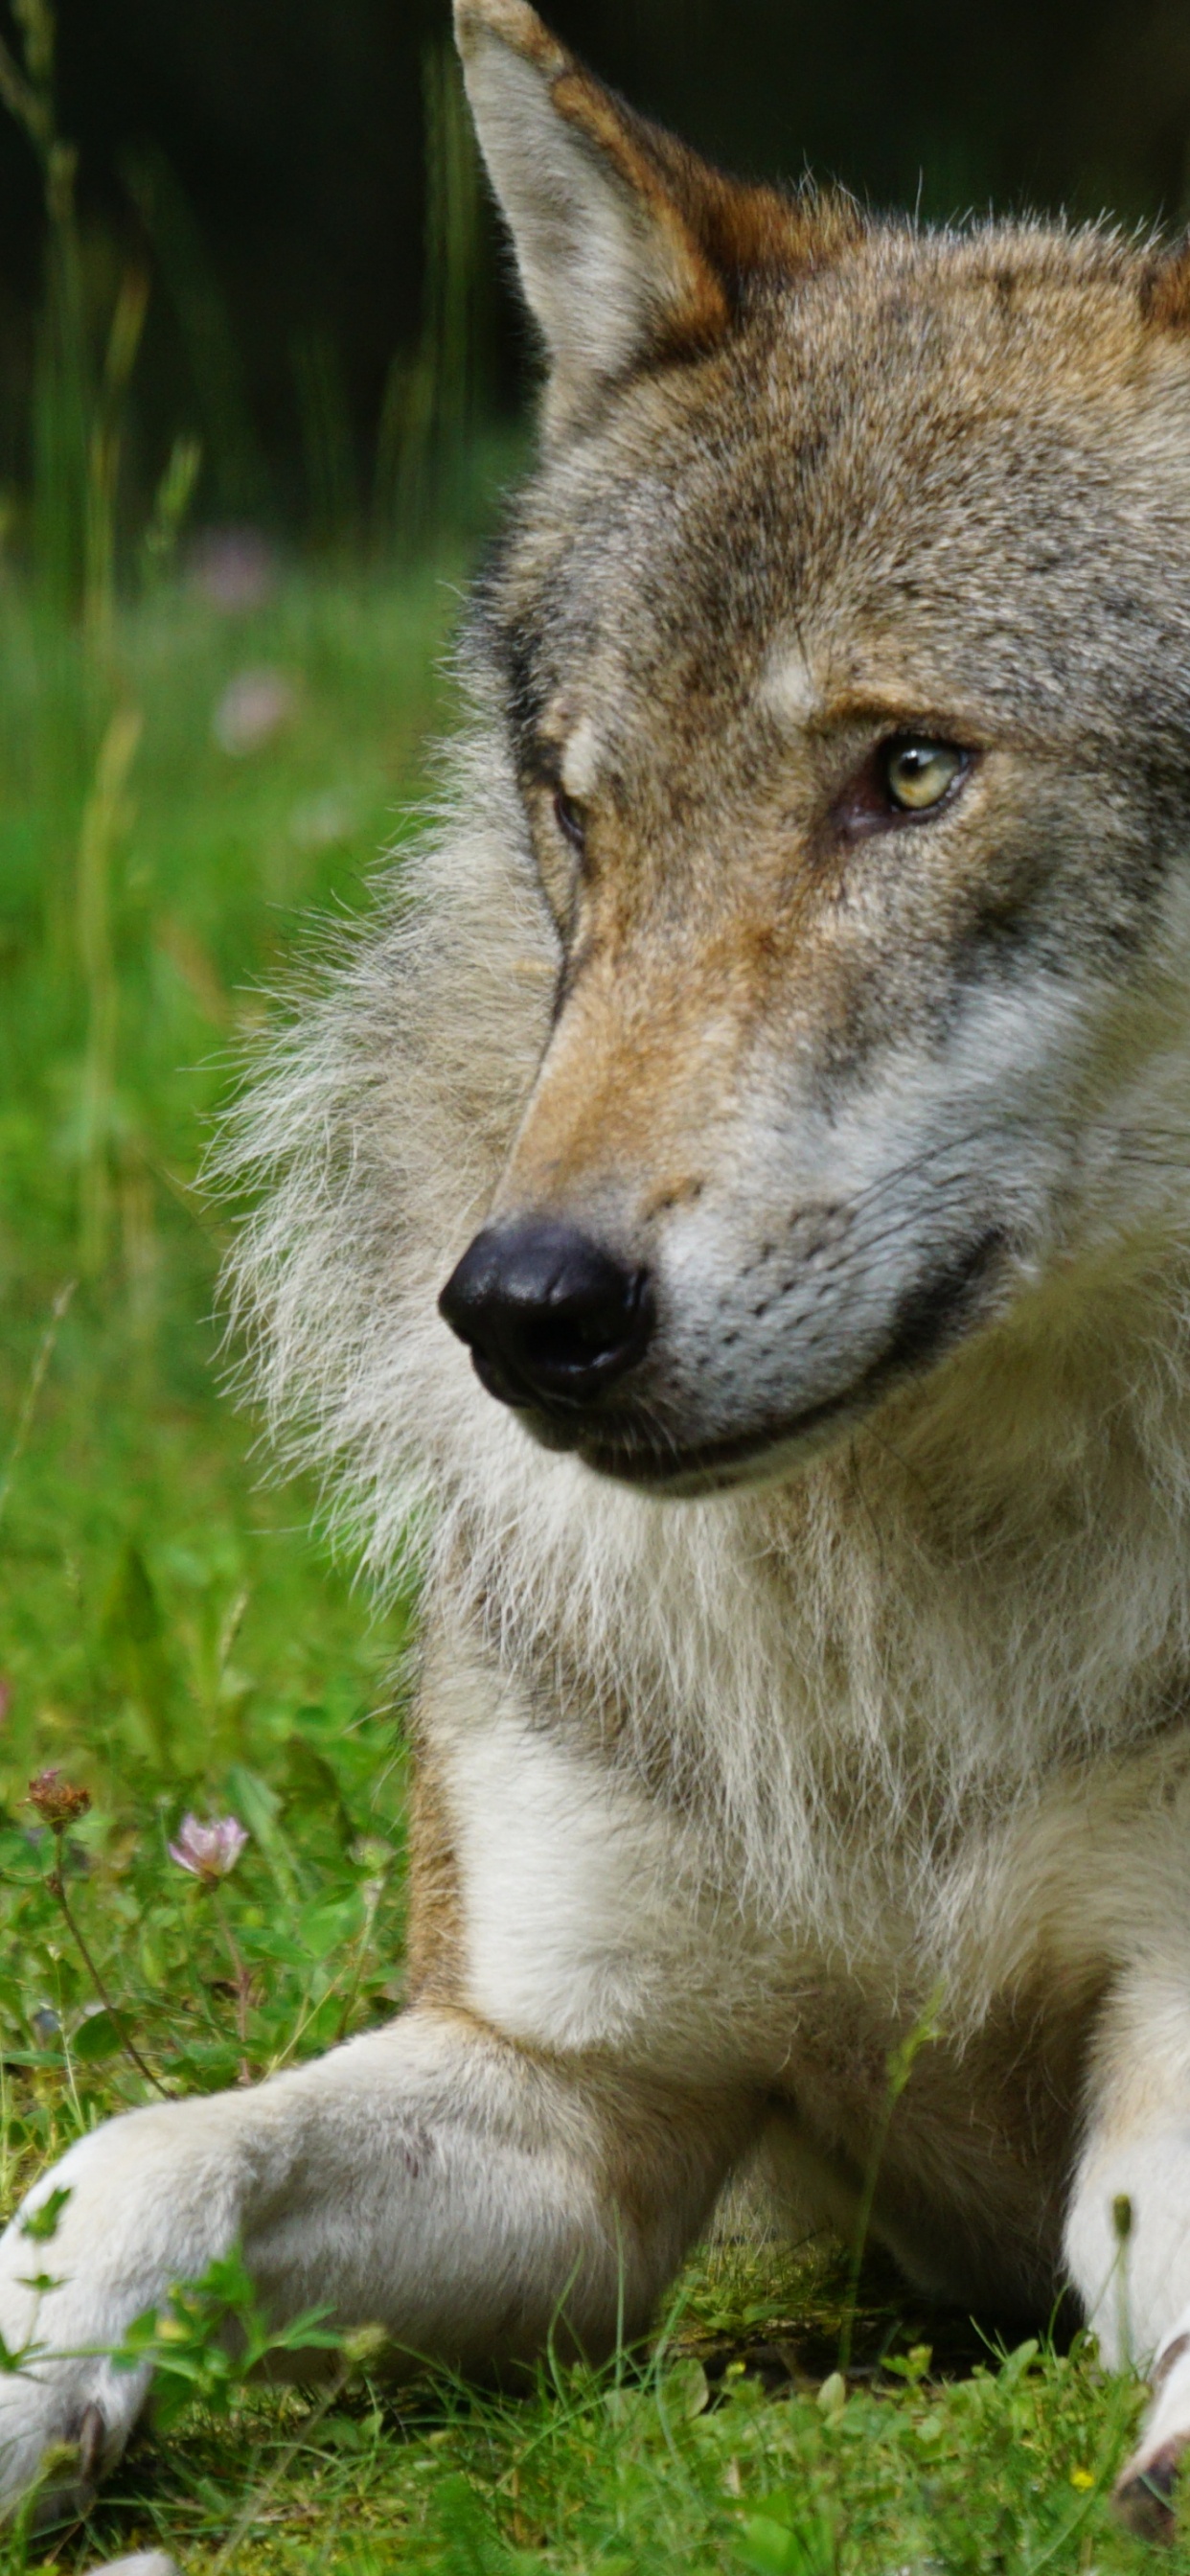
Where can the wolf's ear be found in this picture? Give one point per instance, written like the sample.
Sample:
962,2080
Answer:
629,247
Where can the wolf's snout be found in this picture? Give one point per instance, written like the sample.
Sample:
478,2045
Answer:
550,1316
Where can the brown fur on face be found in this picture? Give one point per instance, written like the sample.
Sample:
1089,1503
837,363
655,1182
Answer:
935,486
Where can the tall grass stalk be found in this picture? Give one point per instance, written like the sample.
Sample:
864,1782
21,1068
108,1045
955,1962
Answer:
1121,2214
37,1379
104,818
62,393
77,415
238,478
103,462
900,2063
56,1885
328,445
430,408
171,504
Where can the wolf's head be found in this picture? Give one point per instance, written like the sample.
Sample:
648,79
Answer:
842,655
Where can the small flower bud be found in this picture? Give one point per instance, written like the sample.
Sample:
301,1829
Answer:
59,1802
365,2347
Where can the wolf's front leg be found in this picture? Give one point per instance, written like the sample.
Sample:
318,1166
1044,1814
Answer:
1128,2227
463,2193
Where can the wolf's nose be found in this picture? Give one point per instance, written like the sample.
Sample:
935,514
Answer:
550,1316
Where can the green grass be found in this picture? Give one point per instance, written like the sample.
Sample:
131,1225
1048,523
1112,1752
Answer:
173,1636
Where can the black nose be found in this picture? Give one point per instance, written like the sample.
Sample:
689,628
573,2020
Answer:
551,1317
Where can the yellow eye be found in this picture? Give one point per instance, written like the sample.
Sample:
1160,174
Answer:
918,773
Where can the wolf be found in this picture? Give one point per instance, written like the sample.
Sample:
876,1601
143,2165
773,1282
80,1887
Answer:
729,1215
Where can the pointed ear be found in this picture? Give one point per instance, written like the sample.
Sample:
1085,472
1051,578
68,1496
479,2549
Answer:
629,248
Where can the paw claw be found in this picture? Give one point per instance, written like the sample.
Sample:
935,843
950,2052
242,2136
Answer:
69,2474
62,2505
92,2435
1143,2498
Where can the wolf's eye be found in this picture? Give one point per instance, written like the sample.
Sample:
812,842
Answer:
918,773
571,820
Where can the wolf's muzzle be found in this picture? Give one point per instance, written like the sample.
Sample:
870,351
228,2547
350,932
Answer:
550,1316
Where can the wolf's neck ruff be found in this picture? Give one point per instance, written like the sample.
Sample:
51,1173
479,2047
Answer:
991,1581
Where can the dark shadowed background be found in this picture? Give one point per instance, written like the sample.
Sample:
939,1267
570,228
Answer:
266,160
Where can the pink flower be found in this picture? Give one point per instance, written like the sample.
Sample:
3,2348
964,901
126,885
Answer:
234,570
254,706
208,1851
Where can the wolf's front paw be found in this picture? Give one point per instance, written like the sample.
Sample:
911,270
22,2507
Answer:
65,2411
1145,2489
141,2204
1144,2494
63,2425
